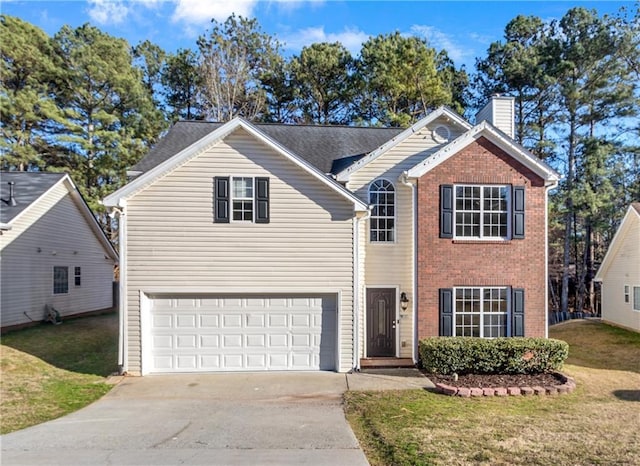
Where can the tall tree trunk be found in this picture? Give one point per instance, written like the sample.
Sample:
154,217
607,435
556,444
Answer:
566,257
582,279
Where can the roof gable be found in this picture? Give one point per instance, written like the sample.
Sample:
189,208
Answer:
119,197
632,214
495,136
33,187
391,143
328,148
27,189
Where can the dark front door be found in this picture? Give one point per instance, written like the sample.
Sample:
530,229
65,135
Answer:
381,323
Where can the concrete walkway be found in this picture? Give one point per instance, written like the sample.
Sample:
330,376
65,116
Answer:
213,419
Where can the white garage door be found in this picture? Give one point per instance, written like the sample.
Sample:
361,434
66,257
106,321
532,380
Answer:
242,333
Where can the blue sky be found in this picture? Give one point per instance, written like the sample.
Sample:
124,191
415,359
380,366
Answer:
464,29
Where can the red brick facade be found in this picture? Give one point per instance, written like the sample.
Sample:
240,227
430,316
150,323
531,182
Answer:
447,263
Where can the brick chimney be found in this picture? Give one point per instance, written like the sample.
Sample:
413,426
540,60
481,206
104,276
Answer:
500,112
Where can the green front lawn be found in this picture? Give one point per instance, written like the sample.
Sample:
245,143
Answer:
593,425
49,371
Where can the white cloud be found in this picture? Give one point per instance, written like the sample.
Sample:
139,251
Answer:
439,40
108,11
351,38
199,12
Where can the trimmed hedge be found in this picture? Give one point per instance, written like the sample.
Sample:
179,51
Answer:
465,355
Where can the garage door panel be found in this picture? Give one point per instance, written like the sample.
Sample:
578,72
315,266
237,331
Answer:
163,363
186,341
232,320
186,321
256,361
162,321
278,321
232,341
301,320
233,361
256,341
186,362
301,340
209,321
249,333
255,321
278,340
210,362
209,341
162,342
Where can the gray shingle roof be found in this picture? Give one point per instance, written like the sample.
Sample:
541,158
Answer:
28,187
636,205
328,148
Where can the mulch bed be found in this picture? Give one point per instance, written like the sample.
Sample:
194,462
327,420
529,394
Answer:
497,380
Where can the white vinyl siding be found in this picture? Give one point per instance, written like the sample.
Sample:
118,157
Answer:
500,113
174,245
622,268
391,264
52,232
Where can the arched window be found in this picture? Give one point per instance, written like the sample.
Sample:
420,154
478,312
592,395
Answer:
382,196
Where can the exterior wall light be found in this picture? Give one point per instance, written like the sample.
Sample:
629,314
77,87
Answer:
404,301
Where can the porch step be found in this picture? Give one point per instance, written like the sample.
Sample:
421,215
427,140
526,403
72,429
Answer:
368,363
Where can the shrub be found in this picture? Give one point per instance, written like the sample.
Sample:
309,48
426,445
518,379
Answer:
464,355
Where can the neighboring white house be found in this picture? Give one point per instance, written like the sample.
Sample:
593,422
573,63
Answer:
52,250
620,274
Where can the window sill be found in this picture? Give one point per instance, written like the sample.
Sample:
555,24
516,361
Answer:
482,241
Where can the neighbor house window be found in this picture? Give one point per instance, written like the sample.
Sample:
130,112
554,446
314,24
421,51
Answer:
636,298
480,312
626,294
382,197
77,276
60,280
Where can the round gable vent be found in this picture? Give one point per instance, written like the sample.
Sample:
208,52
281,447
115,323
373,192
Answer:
441,133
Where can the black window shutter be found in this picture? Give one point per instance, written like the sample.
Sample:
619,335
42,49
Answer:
446,211
221,199
517,312
262,200
518,212
446,312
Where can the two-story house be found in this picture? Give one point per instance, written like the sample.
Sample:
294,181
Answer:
279,247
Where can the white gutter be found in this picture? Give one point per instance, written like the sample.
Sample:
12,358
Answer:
356,289
414,263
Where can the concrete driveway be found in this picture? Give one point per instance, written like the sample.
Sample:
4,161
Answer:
231,419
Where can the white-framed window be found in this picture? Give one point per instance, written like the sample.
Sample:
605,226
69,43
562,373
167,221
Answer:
60,279
382,223
481,211
77,276
481,312
627,298
636,298
242,199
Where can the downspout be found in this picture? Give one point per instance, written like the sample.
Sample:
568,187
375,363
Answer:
123,339
356,290
548,187
404,179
